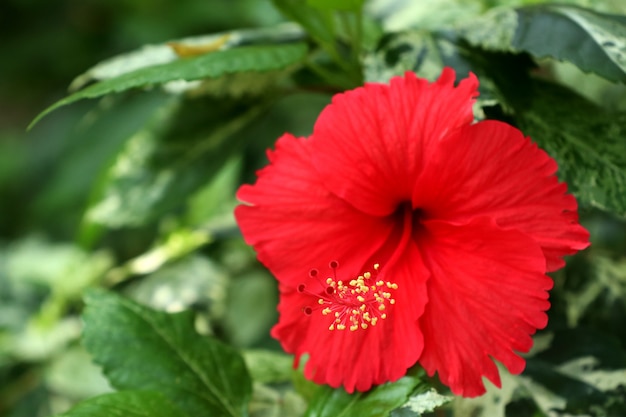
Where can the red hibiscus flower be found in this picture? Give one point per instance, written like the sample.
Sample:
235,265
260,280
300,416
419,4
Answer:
402,232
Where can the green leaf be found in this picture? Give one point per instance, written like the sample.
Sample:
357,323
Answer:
378,402
587,142
246,322
142,349
595,42
164,163
126,404
425,53
268,366
257,58
151,55
347,5
425,401
318,23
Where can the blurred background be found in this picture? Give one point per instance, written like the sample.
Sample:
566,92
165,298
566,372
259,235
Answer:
59,235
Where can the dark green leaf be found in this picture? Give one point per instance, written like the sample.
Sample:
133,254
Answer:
348,5
126,404
587,142
317,23
592,41
257,58
378,402
142,349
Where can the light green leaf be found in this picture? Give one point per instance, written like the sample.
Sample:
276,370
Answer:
73,374
269,402
126,404
268,366
192,281
378,402
142,349
257,58
587,143
164,163
247,322
347,5
424,53
424,402
151,55
595,42
400,15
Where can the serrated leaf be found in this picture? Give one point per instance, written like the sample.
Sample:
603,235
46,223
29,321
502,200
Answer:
378,402
256,58
150,55
587,142
126,404
346,5
142,349
595,42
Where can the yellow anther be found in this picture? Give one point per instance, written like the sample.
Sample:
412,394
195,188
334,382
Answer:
353,327
363,307
331,327
336,314
380,283
326,311
361,299
374,321
353,282
341,327
337,320
392,301
387,295
383,316
366,316
376,266
320,301
329,281
381,307
367,275
363,325
355,311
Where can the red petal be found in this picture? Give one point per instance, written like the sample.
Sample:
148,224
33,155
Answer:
491,169
487,295
362,358
295,224
370,144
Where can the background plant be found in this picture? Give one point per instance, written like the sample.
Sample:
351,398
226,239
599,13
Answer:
123,202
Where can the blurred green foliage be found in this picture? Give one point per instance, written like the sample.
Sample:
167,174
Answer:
134,192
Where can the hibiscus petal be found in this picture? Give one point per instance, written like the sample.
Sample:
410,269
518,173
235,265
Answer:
364,357
295,224
487,296
491,169
369,145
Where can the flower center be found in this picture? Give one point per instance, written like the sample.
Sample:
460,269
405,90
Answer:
355,304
